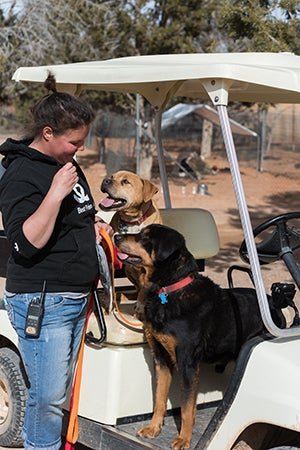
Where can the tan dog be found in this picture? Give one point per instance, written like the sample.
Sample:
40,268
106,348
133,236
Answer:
132,198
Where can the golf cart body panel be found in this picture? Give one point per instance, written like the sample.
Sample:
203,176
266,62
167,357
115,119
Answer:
260,398
117,380
118,398
6,329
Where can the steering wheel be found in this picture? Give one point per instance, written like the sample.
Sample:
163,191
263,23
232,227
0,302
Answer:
282,240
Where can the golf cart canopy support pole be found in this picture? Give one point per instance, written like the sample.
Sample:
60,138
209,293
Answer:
246,224
216,90
161,161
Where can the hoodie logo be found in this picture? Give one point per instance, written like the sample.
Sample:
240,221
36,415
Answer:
79,194
81,197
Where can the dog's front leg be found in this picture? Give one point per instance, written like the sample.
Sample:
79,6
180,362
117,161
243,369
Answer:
163,381
189,393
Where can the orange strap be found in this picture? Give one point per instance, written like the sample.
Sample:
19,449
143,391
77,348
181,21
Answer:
109,244
72,432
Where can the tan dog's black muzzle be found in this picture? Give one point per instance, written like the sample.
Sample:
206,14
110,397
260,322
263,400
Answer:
106,183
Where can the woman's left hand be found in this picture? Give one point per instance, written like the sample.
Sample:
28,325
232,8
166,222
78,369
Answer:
100,224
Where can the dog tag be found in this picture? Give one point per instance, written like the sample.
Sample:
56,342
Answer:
123,227
163,298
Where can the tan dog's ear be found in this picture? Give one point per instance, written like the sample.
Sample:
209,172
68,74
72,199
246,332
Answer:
149,190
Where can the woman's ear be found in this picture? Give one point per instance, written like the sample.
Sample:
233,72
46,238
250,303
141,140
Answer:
47,133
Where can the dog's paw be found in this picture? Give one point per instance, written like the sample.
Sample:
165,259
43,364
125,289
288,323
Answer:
180,443
150,431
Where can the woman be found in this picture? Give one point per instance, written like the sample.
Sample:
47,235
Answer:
48,215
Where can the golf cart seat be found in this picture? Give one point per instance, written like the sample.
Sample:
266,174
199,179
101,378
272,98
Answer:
202,239
199,229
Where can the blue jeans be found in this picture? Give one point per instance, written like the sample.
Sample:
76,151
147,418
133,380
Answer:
49,361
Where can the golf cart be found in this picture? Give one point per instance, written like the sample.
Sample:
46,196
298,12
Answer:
252,402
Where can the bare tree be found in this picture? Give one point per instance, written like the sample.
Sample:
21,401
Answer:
53,32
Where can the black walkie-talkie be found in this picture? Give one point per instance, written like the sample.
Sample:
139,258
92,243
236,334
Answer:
35,314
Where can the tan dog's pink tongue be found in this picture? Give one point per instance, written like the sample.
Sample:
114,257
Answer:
107,202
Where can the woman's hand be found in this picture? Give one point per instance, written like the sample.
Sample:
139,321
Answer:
64,181
39,226
100,224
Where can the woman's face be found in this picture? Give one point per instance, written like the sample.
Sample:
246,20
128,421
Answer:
64,147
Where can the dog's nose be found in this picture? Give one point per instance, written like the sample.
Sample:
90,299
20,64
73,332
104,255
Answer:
106,182
118,238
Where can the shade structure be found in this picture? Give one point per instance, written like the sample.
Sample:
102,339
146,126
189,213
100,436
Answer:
181,110
220,77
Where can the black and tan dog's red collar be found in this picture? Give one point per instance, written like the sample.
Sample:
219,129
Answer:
164,291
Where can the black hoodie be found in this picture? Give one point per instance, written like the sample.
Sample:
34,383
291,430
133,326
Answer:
68,262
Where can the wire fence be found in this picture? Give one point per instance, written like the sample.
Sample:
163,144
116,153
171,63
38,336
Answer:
114,137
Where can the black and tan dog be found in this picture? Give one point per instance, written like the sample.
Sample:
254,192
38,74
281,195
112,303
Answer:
188,319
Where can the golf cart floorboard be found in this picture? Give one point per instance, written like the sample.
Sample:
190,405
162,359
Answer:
172,426
124,436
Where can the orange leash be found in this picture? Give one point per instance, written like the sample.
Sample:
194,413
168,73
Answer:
72,432
110,247
132,324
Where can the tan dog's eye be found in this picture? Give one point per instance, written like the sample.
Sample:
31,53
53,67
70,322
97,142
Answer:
125,181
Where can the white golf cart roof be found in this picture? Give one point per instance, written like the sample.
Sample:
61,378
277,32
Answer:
222,77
